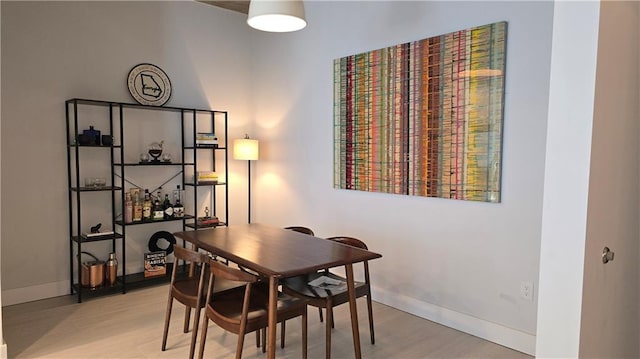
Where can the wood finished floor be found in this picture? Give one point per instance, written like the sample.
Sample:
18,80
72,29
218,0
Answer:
130,326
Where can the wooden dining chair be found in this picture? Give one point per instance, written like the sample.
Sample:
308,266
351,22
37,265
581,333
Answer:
329,297
188,291
301,229
244,309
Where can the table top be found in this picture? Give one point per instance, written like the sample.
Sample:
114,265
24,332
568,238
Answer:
274,251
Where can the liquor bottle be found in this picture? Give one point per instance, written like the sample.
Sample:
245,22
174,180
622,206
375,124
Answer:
128,208
137,207
168,207
158,211
146,206
178,208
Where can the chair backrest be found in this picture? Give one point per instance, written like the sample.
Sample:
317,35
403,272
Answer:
350,241
190,256
221,270
300,229
354,242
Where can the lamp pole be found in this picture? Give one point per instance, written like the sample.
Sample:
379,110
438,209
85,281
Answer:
249,191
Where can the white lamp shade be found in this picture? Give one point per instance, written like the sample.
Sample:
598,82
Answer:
276,15
245,149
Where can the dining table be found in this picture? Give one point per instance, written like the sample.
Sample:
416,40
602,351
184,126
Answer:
277,253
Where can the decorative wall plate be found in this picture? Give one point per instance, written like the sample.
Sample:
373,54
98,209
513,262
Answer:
149,85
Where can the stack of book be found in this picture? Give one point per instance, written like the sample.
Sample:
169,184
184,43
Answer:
206,139
206,177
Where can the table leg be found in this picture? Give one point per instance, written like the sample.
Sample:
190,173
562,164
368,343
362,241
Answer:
273,322
354,310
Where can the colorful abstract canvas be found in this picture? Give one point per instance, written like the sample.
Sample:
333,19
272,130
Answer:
423,118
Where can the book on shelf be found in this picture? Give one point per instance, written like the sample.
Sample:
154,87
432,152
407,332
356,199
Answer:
155,264
98,234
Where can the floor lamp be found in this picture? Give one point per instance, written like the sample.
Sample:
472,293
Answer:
246,149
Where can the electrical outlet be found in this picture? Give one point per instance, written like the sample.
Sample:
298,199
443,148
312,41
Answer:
526,291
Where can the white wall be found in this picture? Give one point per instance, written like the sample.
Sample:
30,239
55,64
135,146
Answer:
456,262
566,178
54,51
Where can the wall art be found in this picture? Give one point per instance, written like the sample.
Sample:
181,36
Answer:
423,118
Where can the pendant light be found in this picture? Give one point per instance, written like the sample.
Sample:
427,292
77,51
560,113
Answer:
276,15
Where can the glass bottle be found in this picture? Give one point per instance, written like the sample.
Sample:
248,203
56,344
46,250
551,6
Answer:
178,208
158,211
137,207
168,207
146,206
128,208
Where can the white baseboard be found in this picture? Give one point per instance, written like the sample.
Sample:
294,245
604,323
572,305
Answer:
36,292
508,337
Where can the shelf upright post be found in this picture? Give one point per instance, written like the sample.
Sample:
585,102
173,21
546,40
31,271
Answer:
226,169
195,170
122,176
69,193
214,200
79,216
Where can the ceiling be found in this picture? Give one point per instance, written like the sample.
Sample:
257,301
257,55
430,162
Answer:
241,6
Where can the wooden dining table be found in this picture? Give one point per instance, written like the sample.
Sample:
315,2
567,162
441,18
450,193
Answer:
278,253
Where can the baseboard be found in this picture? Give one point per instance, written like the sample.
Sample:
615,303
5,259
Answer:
36,292
508,337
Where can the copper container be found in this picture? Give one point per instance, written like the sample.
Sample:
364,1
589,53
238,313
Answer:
92,272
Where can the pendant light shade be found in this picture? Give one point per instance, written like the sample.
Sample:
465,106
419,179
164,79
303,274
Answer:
276,15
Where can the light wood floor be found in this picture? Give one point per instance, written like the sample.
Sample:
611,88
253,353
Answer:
130,326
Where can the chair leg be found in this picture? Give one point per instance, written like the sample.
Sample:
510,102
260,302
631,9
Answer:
304,334
194,333
258,338
328,325
167,318
239,345
203,336
370,308
282,330
333,323
264,339
187,318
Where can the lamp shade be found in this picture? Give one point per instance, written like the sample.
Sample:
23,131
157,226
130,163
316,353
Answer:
245,149
276,15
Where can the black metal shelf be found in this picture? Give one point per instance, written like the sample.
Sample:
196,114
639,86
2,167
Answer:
133,281
121,223
114,123
150,163
95,189
106,237
205,147
204,184
196,226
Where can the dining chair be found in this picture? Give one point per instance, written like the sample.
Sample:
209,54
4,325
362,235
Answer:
301,229
244,309
330,295
188,291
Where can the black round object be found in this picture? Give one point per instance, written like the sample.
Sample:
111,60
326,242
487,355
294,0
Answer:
153,242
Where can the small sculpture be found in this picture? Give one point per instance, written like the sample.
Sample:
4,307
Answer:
155,150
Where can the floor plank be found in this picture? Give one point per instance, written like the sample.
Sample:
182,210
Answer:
130,326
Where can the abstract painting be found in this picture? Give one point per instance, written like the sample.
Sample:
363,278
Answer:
423,118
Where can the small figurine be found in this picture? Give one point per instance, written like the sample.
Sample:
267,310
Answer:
96,228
